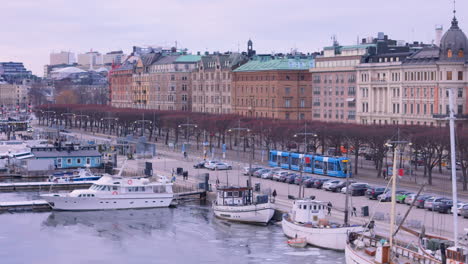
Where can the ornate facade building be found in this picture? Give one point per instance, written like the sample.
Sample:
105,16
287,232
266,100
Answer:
211,82
120,82
411,87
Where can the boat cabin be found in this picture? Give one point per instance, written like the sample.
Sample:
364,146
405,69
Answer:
308,211
234,196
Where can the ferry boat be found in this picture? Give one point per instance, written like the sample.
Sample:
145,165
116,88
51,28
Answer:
75,176
237,204
110,192
307,219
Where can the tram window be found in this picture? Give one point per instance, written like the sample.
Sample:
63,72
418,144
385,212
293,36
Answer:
294,161
318,164
274,157
331,166
284,159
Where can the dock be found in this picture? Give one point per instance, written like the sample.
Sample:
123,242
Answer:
43,186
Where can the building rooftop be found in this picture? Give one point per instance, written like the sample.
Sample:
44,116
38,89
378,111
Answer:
188,58
276,64
359,46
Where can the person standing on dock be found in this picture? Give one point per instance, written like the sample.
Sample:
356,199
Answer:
274,195
354,211
329,207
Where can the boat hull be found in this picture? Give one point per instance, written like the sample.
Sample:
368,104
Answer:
256,214
329,238
352,257
67,203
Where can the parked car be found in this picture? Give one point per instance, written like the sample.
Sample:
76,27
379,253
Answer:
209,163
219,166
250,171
291,178
429,203
284,177
341,185
459,207
199,165
443,206
421,200
277,175
319,182
259,173
385,197
409,198
308,183
373,192
464,211
300,179
269,175
327,186
400,197
358,189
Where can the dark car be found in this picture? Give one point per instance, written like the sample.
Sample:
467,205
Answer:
358,189
259,173
291,178
319,183
199,165
308,183
443,206
464,211
251,171
300,179
420,201
284,177
373,192
338,187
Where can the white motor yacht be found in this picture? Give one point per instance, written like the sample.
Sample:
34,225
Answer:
307,219
111,192
237,204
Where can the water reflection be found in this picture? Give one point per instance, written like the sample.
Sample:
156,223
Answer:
187,234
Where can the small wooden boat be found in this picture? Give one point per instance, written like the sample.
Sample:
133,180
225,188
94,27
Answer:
298,242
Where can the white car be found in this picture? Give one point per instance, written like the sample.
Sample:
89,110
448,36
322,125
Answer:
328,185
460,206
277,175
210,163
220,166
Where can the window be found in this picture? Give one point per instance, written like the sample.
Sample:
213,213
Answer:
302,103
302,90
449,76
460,109
449,53
69,161
287,90
302,116
287,116
287,103
351,90
78,161
461,53
460,76
460,93
88,161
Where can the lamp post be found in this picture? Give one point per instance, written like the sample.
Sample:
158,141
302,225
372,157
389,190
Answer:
238,129
187,136
302,161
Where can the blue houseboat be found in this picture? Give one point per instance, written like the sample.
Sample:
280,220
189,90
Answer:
70,156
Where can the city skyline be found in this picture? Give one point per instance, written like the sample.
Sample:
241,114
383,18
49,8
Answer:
273,28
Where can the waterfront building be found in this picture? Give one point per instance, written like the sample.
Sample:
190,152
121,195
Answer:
120,82
211,82
170,86
334,82
70,156
13,96
63,57
274,87
408,85
141,81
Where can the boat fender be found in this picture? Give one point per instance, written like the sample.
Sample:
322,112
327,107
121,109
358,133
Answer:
130,182
115,193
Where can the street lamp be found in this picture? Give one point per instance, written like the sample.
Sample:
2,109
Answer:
302,161
187,136
238,129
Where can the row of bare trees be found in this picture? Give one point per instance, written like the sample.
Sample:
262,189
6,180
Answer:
429,144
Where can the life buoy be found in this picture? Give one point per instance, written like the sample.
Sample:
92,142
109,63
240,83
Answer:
129,182
115,193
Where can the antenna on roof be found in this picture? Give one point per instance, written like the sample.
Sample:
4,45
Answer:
454,7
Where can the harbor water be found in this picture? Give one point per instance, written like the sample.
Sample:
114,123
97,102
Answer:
186,234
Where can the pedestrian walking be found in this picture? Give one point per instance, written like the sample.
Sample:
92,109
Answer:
274,195
217,183
354,211
329,207
384,172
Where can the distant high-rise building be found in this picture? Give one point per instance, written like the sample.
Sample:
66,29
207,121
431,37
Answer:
116,57
90,58
63,57
14,72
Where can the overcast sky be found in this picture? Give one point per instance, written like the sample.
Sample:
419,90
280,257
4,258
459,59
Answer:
31,29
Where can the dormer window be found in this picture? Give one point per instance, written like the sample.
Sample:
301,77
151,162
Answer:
461,54
449,53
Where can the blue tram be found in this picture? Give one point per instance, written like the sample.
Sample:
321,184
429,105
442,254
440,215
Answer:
313,163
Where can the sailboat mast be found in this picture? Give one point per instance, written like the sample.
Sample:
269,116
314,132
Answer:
392,212
453,164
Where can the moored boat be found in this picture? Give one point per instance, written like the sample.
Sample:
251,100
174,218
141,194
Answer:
75,176
237,204
307,219
298,242
111,192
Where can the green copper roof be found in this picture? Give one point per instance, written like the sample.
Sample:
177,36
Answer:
276,64
360,46
188,58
